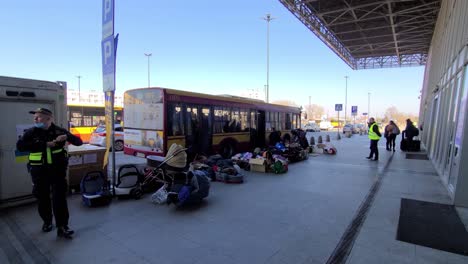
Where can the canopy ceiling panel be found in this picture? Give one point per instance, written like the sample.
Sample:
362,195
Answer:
371,33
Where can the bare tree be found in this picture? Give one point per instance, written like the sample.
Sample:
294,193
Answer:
398,117
314,111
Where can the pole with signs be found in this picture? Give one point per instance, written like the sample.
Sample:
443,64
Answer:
338,108
108,49
354,113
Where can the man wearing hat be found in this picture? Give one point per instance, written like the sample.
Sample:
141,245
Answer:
48,162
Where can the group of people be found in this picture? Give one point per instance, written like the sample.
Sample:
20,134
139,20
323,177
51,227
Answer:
391,131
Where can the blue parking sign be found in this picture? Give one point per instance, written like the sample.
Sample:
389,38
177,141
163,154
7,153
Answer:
354,110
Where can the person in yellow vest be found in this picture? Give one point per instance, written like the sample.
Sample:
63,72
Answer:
48,162
374,136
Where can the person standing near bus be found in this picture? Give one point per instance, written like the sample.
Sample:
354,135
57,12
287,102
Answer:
374,136
48,161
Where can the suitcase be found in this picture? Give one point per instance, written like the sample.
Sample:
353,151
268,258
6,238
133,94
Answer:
416,146
403,143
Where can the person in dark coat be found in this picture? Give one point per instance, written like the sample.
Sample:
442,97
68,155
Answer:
410,132
374,136
275,137
48,162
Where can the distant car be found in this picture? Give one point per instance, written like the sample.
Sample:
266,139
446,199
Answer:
348,128
98,137
353,128
325,125
360,128
312,127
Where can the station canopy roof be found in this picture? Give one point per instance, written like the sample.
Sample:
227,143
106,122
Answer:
369,34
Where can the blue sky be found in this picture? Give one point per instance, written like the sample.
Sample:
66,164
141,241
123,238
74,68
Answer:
206,46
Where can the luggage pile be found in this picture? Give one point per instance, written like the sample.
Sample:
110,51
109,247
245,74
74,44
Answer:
413,145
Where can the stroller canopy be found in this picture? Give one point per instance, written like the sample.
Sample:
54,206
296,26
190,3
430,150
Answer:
176,156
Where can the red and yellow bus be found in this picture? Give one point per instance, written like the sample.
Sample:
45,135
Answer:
155,118
84,119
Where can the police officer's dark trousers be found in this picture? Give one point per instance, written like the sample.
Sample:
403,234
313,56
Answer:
47,179
374,151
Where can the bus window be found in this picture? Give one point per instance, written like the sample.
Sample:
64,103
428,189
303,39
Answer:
244,120
274,119
222,119
288,121
281,121
191,120
206,118
253,119
76,118
218,120
267,121
234,125
175,123
226,119
295,121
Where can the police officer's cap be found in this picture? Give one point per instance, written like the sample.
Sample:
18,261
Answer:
41,110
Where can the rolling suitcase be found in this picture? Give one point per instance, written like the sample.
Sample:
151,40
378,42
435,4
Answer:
403,143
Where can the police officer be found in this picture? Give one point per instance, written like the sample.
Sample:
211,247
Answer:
374,136
48,161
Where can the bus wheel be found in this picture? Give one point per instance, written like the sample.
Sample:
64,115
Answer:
119,145
227,150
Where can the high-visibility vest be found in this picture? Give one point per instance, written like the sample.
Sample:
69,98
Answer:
35,158
372,134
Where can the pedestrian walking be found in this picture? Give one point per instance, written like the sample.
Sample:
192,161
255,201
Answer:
391,132
48,161
374,136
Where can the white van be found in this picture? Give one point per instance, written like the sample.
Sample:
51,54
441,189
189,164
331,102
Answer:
18,97
325,125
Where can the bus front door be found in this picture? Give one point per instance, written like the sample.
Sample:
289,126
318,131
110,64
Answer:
205,135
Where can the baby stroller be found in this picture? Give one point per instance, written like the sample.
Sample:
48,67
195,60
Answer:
166,171
181,187
128,182
95,189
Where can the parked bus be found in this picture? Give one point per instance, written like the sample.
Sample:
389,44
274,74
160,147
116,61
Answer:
155,118
83,119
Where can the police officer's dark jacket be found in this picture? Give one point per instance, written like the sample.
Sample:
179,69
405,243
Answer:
35,141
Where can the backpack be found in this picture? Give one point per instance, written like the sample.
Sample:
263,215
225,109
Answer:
396,130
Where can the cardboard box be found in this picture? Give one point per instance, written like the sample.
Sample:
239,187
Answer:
258,165
82,160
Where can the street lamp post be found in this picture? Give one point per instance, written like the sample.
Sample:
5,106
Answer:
346,100
268,18
79,99
368,104
148,55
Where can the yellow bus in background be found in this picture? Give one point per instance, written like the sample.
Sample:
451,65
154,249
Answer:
83,119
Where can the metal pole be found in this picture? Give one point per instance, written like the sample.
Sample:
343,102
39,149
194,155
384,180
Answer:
148,55
346,100
338,136
79,100
268,18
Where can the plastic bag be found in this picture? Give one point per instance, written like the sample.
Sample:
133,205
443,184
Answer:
160,196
